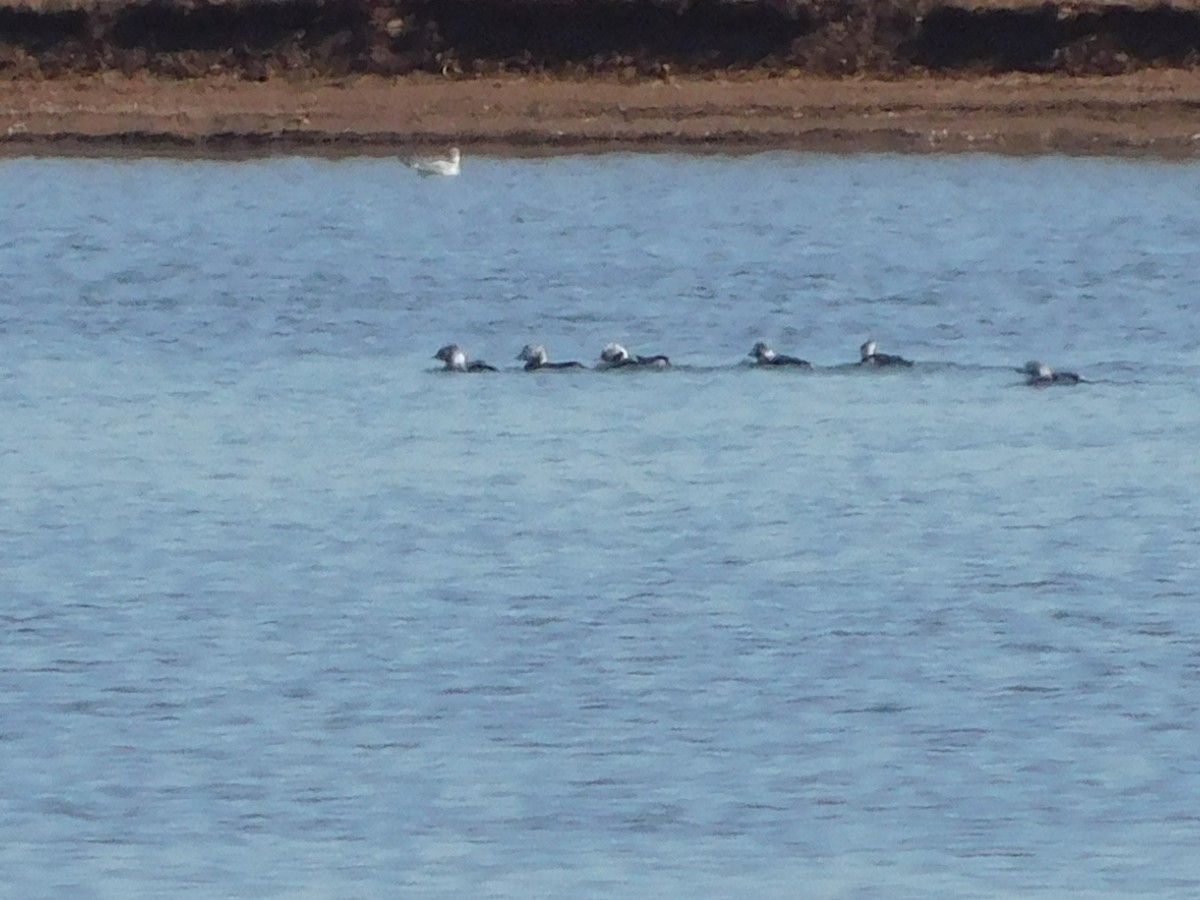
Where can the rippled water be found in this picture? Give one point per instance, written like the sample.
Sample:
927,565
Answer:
288,613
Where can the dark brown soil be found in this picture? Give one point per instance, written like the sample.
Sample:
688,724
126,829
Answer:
259,39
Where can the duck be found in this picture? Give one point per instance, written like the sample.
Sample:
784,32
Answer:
456,360
535,357
765,356
615,356
1039,374
870,357
450,164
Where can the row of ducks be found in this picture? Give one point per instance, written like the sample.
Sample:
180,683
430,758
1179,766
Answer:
615,356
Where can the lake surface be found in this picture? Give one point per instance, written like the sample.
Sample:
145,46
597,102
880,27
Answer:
289,613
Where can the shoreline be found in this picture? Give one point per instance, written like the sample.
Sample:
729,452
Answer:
1149,113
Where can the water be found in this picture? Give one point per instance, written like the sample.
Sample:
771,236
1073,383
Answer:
287,613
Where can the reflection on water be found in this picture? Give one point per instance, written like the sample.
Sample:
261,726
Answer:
289,613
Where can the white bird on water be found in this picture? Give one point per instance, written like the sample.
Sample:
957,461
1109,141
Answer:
450,164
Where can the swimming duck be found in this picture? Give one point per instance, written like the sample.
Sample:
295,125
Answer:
871,358
455,359
765,356
614,356
1038,373
535,357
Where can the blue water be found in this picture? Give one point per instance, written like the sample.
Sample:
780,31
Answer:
288,613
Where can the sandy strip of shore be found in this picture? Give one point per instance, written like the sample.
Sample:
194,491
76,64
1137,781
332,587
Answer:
1153,112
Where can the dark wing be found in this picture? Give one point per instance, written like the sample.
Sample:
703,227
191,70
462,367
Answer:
791,361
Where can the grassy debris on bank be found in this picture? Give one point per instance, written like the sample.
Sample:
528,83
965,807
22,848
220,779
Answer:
300,39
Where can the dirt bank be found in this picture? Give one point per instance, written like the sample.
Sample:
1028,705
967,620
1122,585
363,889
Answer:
1151,112
525,75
